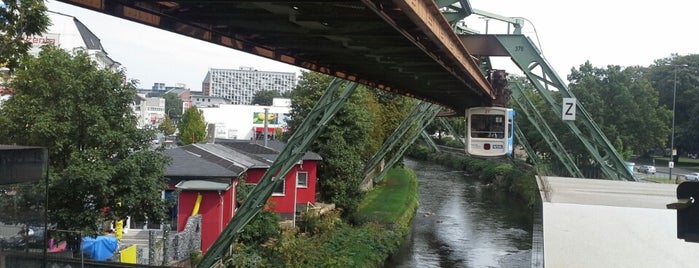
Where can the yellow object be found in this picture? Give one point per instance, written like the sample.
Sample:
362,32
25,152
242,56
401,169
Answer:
128,255
119,229
195,211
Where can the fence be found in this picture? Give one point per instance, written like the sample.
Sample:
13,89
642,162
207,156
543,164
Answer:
26,240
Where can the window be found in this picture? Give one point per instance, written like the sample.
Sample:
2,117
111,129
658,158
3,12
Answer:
279,189
301,179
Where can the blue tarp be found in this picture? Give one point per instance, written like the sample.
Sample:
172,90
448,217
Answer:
99,248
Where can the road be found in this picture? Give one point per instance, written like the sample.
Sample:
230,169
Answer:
662,172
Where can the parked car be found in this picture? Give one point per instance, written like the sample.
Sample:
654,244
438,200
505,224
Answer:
692,176
27,237
648,169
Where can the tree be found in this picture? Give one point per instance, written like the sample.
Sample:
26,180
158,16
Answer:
173,105
265,97
192,126
101,168
167,127
350,139
19,19
662,77
624,105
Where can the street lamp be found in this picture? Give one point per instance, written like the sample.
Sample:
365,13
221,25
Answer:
671,164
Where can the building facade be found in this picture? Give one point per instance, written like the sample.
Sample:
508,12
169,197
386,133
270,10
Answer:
239,86
203,178
150,111
246,122
68,33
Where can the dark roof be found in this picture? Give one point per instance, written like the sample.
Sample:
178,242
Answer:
90,39
222,161
256,148
187,164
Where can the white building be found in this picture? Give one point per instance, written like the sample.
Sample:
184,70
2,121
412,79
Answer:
68,33
246,122
239,86
150,111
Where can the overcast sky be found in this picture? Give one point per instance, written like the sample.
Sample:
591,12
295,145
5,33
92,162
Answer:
612,32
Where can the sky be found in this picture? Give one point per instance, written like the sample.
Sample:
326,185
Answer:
569,33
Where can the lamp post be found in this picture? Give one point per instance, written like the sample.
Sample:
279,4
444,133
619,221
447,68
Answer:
671,164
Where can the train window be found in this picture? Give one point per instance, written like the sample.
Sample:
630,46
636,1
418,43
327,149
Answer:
487,126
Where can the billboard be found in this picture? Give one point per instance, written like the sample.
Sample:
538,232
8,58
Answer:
259,118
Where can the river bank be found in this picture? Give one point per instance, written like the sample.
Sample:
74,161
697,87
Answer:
462,223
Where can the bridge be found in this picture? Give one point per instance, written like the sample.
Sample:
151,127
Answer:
406,47
411,47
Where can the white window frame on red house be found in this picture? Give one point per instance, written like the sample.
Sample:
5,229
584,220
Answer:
298,181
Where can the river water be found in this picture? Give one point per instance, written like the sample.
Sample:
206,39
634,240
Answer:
461,223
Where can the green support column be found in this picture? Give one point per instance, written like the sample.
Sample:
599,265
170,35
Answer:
446,125
417,116
298,144
526,106
527,56
418,124
429,141
522,140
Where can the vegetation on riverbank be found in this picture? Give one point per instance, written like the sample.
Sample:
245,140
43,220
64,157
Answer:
510,175
377,229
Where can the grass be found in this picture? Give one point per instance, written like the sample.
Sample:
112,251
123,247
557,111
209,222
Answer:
683,163
390,199
661,180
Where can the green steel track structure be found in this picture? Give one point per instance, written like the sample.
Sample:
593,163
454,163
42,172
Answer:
451,130
419,117
327,106
428,112
430,142
529,59
526,106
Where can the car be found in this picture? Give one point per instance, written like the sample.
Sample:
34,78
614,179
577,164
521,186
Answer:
648,169
692,176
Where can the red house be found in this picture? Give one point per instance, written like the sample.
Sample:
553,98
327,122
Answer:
299,187
205,176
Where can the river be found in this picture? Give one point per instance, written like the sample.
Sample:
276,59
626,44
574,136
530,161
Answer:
461,223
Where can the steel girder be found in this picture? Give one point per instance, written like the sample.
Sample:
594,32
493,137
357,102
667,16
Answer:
429,141
529,59
420,116
428,112
522,140
447,125
454,10
535,118
296,147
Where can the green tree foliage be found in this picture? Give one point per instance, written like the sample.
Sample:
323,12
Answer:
173,105
192,126
101,168
167,127
662,77
350,139
263,227
624,105
340,144
19,19
265,97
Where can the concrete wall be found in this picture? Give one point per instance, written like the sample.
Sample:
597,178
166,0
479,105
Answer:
596,223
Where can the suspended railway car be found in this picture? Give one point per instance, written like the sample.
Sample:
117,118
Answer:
490,131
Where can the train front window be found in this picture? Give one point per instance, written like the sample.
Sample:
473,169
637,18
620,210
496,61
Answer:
487,126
